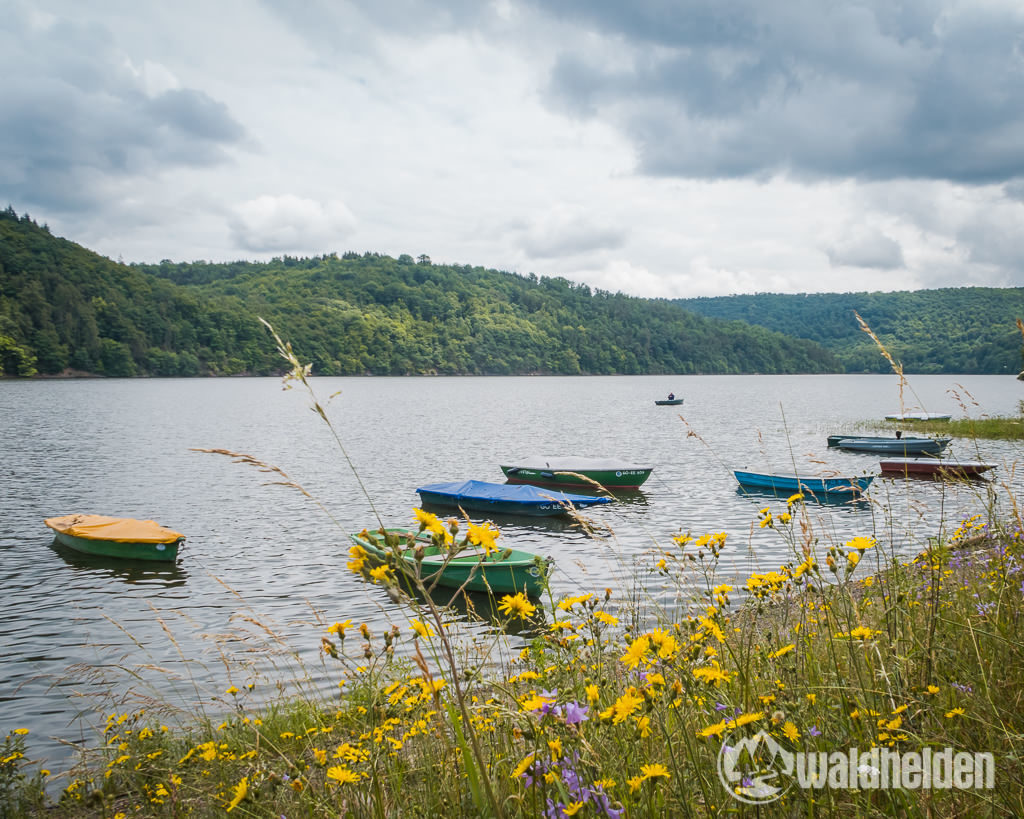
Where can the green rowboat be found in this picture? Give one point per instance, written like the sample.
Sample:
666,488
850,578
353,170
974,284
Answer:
575,471
124,538
504,571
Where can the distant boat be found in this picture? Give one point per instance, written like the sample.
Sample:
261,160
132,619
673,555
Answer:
547,470
125,538
919,416
890,446
669,402
933,467
504,571
501,498
802,483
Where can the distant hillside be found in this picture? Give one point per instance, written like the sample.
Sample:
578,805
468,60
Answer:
952,330
64,307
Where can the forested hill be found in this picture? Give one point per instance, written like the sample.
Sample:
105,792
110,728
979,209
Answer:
63,307
950,330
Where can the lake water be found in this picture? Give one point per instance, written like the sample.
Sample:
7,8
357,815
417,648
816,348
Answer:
263,560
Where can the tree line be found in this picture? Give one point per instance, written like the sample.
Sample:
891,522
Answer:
948,330
65,309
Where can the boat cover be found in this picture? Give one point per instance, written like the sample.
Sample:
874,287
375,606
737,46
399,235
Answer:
573,463
514,493
118,530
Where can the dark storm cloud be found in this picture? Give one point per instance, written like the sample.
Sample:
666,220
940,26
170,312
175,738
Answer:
76,116
871,90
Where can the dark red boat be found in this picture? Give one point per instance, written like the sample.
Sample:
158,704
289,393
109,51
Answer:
934,467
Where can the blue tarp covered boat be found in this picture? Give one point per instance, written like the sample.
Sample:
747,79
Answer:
506,499
803,483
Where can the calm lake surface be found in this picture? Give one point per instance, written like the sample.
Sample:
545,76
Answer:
264,559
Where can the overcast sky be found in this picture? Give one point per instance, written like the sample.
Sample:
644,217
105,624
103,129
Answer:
666,148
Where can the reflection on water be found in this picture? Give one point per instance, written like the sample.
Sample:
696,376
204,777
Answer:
264,560
134,572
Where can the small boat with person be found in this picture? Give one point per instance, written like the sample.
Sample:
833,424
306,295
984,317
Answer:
575,471
503,571
815,485
934,467
505,499
671,401
125,538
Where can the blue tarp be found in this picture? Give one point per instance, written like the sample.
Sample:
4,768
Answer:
523,494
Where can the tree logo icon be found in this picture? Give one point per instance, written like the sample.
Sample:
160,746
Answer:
751,769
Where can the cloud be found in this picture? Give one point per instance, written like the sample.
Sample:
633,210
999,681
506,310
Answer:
288,223
81,118
743,88
865,247
567,231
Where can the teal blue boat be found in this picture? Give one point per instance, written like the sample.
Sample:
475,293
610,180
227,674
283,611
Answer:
801,483
504,571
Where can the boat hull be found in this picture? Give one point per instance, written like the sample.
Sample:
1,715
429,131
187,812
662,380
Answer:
675,402
919,416
506,571
895,446
795,483
626,478
932,467
166,552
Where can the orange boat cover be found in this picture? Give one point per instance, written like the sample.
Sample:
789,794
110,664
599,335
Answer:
119,530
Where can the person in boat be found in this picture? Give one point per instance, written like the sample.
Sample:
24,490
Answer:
671,396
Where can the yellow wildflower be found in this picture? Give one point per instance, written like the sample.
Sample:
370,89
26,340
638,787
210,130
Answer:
571,809
339,628
483,536
382,574
711,674
655,770
517,604
782,651
241,789
521,767
791,732
422,629
623,706
956,712
432,524
342,775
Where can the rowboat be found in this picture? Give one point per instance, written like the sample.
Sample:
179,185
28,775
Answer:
575,471
934,467
919,416
895,446
802,483
116,537
669,402
481,496
504,571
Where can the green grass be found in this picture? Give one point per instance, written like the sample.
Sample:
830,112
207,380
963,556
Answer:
998,427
